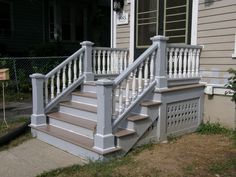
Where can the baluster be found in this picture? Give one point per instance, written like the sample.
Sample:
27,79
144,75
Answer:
112,62
140,87
80,64
121,61
52,87
125,60
108,62
99,62
58,82
94,61
185,62
117,64
120,99
103,62
46,91
127,102
170,61
64,78
134,85
114,101
180,63
175,61
152,67
197,62
146,73
75,69
69,74
189,62
193,62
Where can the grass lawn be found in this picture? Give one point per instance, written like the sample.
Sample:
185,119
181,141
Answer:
207,153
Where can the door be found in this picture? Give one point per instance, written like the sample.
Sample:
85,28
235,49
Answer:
171,18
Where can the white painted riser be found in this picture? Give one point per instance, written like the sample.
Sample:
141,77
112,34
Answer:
80,113
89,88
69,147
86,100
72,128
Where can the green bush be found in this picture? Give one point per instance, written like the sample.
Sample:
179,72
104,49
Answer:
212,128
232,83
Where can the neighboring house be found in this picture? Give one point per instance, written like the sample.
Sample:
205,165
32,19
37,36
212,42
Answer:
31,23
211,23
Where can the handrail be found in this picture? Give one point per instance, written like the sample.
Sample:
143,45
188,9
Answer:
135,64
186,46
110,49
68,60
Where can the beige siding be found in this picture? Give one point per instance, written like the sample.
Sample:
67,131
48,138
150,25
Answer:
123,31
216,30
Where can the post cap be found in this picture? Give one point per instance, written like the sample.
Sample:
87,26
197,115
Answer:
86,43
37,76
159,38
104,82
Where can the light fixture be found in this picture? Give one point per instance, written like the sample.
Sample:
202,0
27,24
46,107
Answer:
118,5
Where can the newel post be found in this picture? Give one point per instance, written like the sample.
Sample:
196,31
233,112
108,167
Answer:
87,63
160,62
38,116
104,139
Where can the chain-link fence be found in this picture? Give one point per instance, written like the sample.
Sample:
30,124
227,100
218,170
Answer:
18,89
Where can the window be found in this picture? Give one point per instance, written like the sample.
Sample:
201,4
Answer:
5,20
147,21
176,21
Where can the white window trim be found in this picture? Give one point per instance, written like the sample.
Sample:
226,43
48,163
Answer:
131,42
194,22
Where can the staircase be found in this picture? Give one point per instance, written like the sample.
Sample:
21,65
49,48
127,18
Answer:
96,118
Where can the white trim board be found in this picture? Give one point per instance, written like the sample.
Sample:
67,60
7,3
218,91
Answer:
194,22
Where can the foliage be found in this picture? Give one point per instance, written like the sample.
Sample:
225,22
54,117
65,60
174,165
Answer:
232,83
212,128
223,167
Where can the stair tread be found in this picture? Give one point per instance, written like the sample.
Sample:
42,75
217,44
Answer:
123,132
147,103
78,121
81,106
85,94
73,138
136,117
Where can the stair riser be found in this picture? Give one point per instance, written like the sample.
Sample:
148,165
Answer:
82,99
73,128
77,112
140,127
69,147
89,88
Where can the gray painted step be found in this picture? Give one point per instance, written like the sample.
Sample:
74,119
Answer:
148,103
85,97
137,117
81,106
124,132
74,124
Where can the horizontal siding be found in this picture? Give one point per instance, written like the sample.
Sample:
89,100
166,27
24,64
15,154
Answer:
123,31
216,31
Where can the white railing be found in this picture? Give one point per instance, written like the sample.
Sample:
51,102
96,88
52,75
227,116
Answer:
131,86
63,76
109,60
183,60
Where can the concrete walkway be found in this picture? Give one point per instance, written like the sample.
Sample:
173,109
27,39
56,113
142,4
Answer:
32,158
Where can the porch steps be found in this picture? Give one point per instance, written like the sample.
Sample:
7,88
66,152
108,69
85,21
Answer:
80,106
137,117
124,132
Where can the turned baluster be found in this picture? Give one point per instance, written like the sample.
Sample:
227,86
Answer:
175,62
146,73
52,87
140,87
103,62
152,67
94,61
193,62
180,63
75,69
99,62
64,78
121,61
185,62
125,60
108,62
197,62
69,74
80,64
134,84
127,102
170,61
189,62
58,82
46,91
120,98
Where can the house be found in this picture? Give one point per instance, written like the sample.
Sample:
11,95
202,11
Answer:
38,24
101,102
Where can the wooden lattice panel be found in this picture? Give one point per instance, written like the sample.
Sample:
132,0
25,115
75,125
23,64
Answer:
182,115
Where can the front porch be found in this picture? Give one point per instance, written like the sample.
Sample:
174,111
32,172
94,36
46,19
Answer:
96,104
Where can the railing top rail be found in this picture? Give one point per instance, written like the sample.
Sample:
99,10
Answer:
174,45
135,64
110,49
60,66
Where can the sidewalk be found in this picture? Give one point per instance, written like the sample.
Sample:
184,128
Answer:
32,158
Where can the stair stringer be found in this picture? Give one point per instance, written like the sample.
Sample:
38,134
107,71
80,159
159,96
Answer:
140,127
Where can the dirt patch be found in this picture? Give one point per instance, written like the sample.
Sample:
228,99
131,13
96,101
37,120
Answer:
191,155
